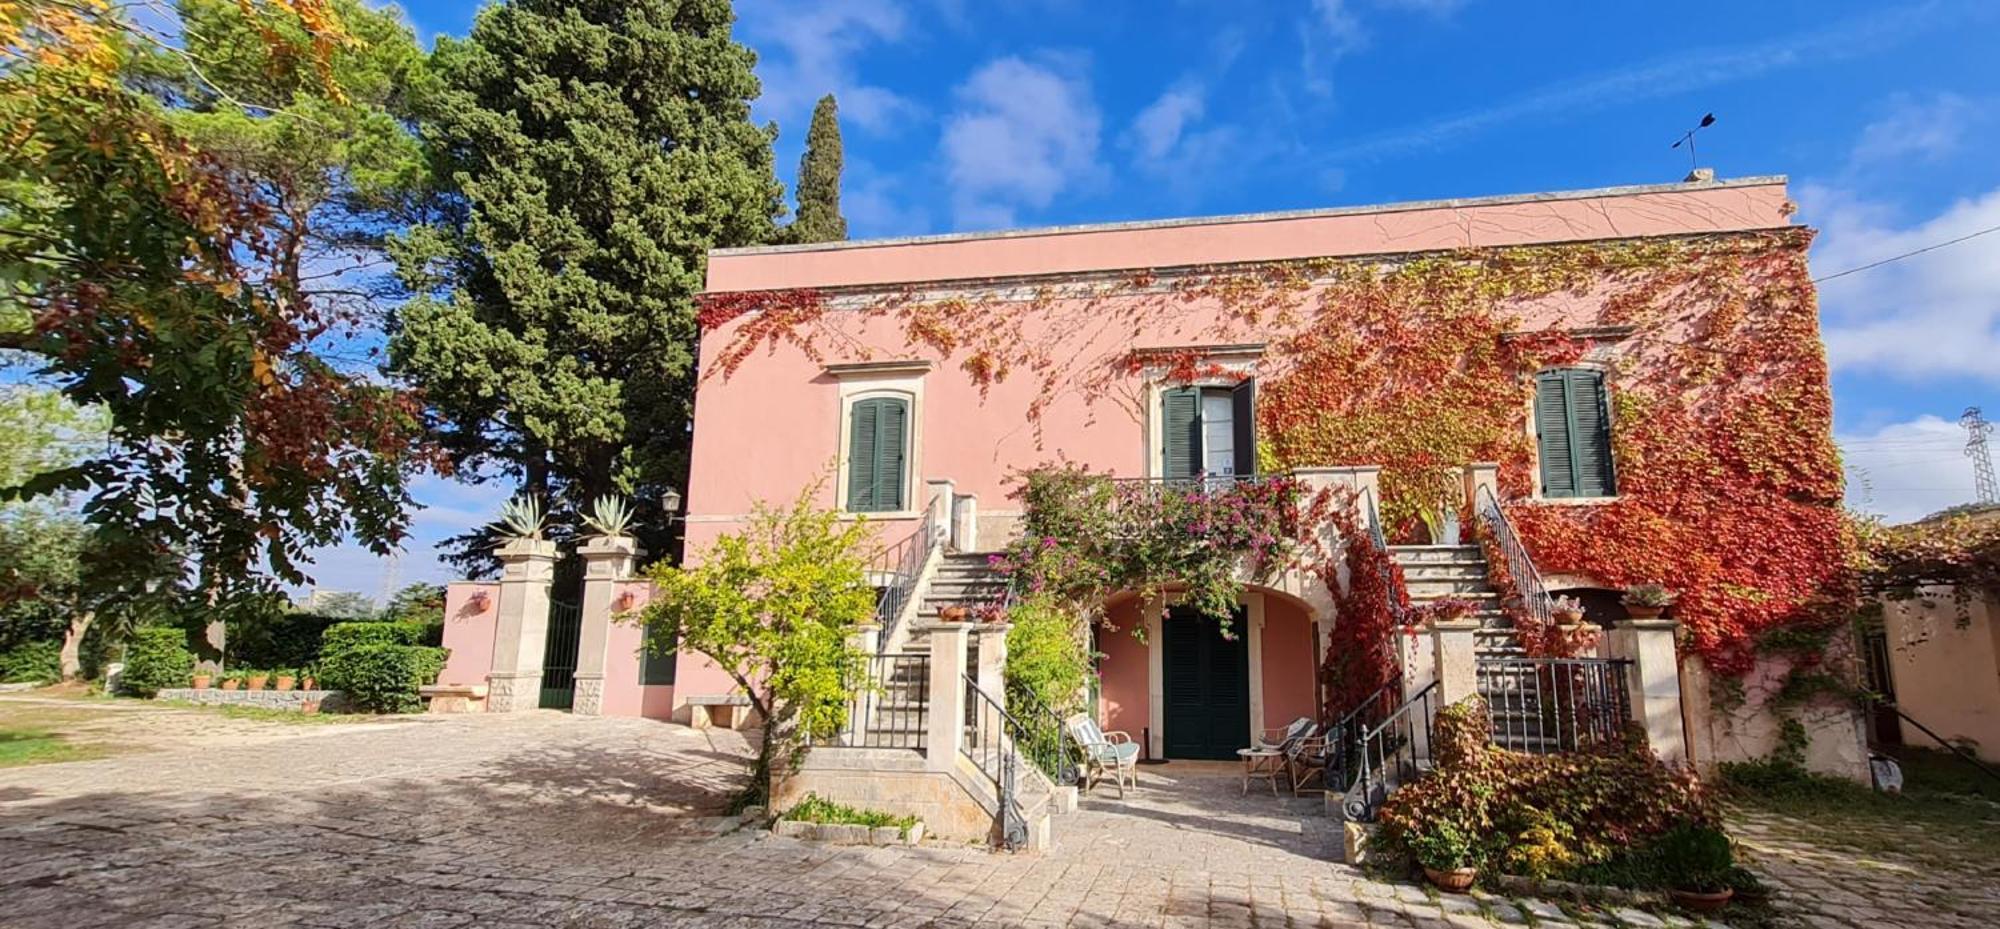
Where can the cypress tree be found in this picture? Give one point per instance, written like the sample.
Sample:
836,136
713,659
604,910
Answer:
819,179
588,154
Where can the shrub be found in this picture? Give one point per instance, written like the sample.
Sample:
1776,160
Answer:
158,658
817,809
380,677
1546,815
1047,660
343,636
31,661
1696,858
1441,845
279,640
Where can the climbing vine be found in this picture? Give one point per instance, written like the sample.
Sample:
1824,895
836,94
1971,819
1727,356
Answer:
1728,481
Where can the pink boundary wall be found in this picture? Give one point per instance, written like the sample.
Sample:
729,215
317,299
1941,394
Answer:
468,632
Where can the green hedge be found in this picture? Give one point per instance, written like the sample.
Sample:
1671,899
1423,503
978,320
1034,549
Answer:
157,658
378,666
283,640
31,661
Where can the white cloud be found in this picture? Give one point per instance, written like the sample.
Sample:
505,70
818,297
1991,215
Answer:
1920,130
1156,131
1168,141
1908,470
807,49
1922,318
1023,133
1339,23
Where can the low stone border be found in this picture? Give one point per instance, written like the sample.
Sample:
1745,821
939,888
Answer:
847,833
1588,893
330,701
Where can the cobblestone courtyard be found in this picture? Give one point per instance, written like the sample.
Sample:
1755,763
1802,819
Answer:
547,820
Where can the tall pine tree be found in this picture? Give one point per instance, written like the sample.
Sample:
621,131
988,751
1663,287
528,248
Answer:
592,151
819,179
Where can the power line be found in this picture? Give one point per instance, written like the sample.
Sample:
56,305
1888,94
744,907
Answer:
1927,248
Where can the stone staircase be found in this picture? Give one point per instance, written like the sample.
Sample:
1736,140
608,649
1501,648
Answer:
964,579
1440,572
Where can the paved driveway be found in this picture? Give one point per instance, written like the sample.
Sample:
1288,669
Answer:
543,819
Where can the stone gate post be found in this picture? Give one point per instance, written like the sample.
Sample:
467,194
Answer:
945,725
1654,682
606,561
527,568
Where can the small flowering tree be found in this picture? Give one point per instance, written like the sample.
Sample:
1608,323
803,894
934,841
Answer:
775,606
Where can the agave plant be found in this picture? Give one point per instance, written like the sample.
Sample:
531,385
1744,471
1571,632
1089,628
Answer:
522,517
610,515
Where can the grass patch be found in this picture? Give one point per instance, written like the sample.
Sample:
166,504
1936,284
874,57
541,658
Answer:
37,746
816,809
1942,818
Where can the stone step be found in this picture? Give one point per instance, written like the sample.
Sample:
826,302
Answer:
1428,570
1437,589
1434,554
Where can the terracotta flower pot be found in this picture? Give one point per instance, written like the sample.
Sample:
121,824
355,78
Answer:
201,681
310,708
1644,612
1457,880
1698,902
231,684
308,684
257,681
284,682
953,614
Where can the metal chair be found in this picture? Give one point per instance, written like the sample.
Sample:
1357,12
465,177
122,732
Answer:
1104,752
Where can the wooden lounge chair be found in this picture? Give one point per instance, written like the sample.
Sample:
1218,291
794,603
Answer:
1111,753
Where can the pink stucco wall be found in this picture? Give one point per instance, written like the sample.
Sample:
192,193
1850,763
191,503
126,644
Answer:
468,632
623,694
773,426
1122,700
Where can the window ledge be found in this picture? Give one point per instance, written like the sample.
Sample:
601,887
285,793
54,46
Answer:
1572,501
883,515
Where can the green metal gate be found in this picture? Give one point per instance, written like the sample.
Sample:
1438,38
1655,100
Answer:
559,656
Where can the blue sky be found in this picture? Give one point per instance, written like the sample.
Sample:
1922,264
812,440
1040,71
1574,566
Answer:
964,115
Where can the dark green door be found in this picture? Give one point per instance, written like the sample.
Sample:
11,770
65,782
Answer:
1207,712
559,656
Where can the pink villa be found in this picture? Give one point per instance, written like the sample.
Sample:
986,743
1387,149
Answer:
1535,370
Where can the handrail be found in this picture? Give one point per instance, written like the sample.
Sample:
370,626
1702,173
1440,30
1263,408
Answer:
1545,705
1395,739
1341,755
904,564
1528,585
1948,746
887,706
1048,746
989,744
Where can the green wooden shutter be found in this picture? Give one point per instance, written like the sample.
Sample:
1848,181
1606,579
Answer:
1180,417
1590,433
1243,422
891,451
876,455
866,416
1573,434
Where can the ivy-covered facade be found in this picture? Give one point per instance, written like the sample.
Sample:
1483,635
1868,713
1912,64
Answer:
1643,363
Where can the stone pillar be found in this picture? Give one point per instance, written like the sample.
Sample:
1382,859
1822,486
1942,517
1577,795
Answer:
937,508
945,722
1480,475
965,523
1653,681
520,634
606,561
1453,646
992,675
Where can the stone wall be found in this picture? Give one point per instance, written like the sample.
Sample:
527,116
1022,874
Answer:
1723,726
332,701
888,781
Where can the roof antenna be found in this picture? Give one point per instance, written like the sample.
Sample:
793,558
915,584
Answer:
1695,171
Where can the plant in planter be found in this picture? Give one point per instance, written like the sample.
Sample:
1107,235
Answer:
232,680
308,678
1568,611
202,679
1647,601
954,614
610,516
1445,851
1698,867
257,679
284,679
1450,609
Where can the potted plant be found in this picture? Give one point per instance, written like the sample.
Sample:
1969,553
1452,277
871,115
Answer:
1647,601
284,679
257,679
232,680
954,614
1698,866
1568,611
202,679
308,678
1444,850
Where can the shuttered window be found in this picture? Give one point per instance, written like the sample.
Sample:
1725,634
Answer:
656,667
1573,434
877,452
1185,420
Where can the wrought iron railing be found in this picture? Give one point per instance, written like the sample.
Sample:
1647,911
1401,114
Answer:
1343,735
1390,754
1528,587
991,743
902,566
890,706
1043,739
1947,745
1547,705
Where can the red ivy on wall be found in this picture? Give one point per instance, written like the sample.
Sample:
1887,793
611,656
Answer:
1729,485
